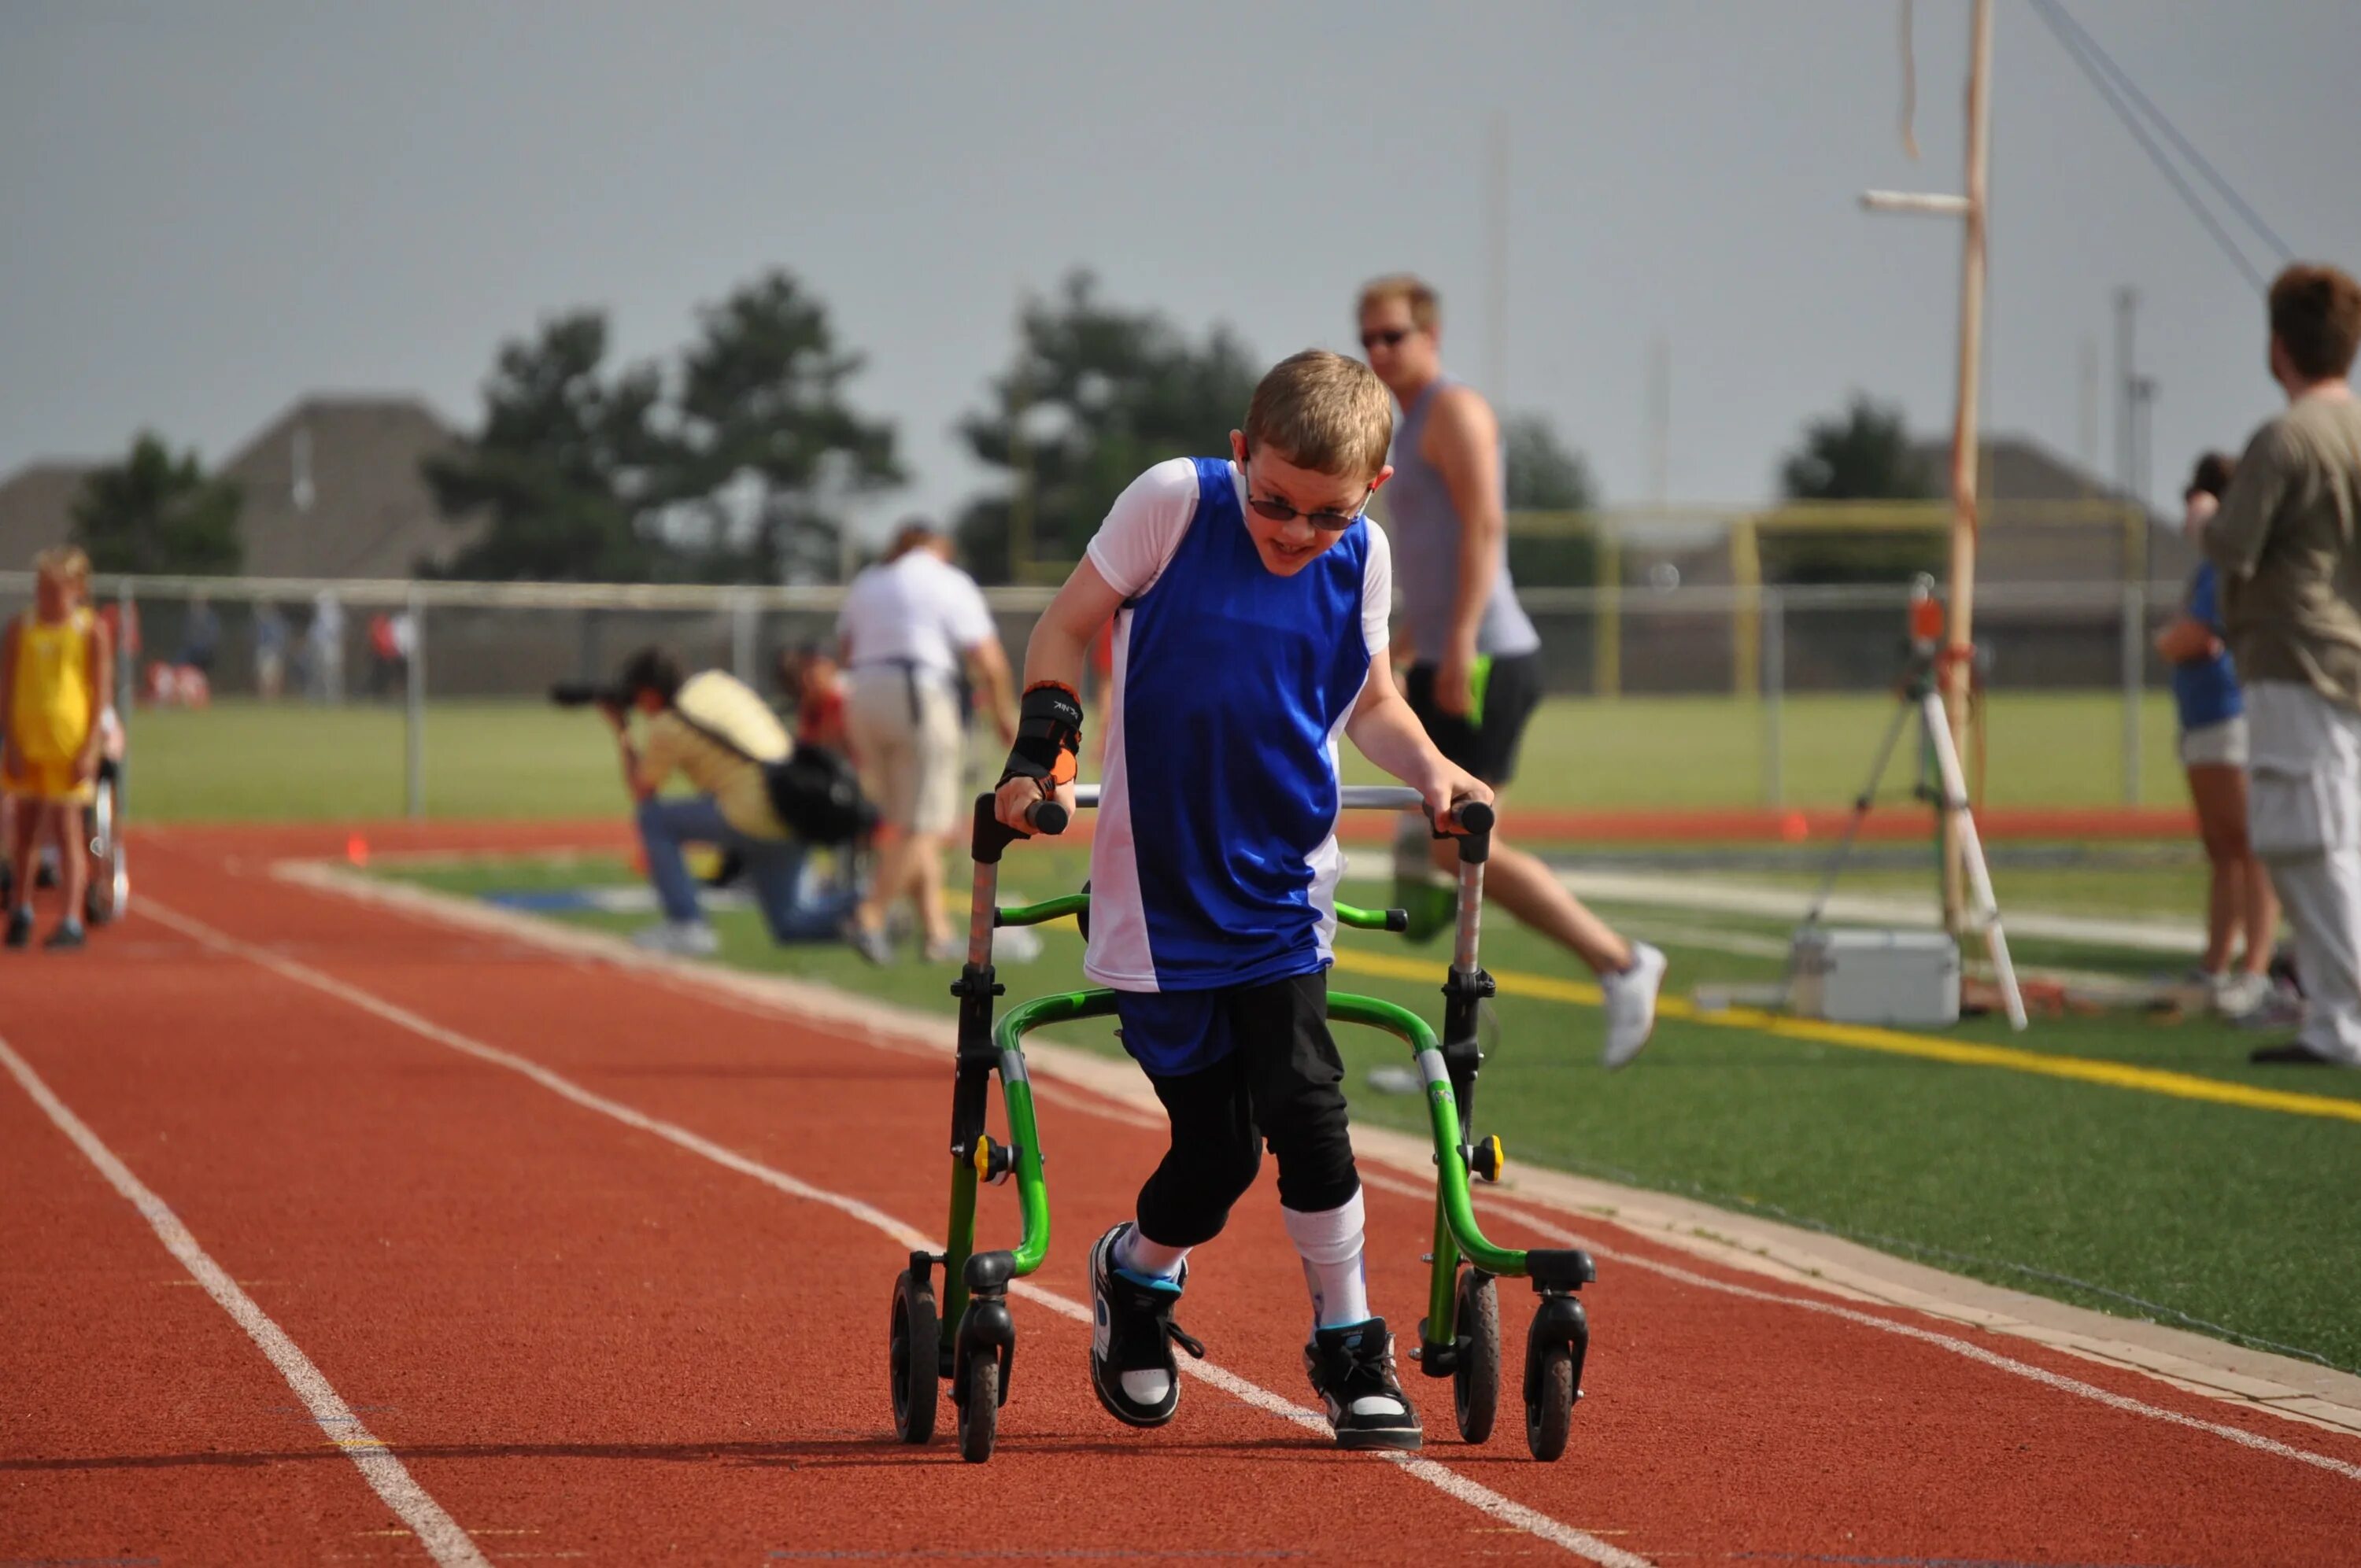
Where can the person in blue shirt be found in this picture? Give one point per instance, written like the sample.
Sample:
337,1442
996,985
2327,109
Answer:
1250,596
2213,715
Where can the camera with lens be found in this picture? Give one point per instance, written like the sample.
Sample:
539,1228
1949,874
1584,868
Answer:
587,693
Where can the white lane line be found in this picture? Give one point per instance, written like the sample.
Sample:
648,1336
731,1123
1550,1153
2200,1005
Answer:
1951,1342
436,1531
1477,1497
1480,1497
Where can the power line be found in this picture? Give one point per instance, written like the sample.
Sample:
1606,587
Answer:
2164,123
2049,12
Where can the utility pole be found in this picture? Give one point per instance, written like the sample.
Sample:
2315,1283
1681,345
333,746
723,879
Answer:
1660,420
2126,395
1958,642
1496,259
2086,432
1020,461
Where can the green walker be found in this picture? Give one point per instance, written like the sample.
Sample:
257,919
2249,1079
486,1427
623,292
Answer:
972,1339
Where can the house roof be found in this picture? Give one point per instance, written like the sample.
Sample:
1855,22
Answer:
365,512
36,509
2015,471
333,489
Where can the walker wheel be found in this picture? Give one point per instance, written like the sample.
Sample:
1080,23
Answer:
1549,1407
978,1396
911,1342
1475,1372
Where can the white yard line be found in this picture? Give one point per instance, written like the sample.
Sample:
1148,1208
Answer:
1483,1498
1677,889
435,1529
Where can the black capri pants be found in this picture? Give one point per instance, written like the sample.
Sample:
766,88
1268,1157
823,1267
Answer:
1282,1085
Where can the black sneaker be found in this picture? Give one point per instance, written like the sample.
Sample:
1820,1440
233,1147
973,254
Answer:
1351,1369
67,938
1132,1335
2294,1053
20,927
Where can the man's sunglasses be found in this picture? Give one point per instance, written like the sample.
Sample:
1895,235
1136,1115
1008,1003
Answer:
1326,521
1391,338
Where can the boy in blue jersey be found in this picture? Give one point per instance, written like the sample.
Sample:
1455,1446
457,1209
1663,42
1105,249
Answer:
1249,598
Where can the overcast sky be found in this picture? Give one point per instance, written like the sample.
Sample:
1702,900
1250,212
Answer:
207,211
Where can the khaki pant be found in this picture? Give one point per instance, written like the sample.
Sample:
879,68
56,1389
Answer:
2304,813
908,741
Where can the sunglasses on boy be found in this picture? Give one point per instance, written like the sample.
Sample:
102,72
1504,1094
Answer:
1326,521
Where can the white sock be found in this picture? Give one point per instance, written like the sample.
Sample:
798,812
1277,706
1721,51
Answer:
1330,1244
1154,1259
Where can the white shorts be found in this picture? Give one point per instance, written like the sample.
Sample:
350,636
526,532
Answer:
2222,744
909,747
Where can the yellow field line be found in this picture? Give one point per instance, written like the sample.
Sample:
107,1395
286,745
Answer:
1895,1042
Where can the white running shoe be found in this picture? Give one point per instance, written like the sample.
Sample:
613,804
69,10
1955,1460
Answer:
1014,944
682,938
2236,995
1631,1005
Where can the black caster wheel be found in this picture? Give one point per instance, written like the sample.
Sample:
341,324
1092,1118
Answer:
911,1342
1476,1374
979,1405
1549,1407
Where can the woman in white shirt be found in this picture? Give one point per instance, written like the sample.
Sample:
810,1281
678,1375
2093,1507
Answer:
908,625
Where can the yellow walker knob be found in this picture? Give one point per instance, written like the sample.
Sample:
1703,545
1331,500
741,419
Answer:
994,1161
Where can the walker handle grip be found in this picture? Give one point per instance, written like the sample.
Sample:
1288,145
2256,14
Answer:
1472,817
989,837
1474,820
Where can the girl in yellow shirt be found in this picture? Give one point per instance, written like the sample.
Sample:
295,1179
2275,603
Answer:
55,669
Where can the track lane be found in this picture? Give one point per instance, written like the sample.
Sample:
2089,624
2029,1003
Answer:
138,1423
572,1329
1715,1424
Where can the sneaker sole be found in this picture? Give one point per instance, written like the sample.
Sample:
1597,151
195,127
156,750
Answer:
1107,1400
1401,1441
1107,1404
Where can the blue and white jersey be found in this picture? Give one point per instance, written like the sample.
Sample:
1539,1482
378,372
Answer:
1215,858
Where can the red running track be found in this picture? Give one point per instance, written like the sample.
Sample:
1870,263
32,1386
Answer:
628,1331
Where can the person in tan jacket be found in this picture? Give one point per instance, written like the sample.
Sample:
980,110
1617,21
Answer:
2285,542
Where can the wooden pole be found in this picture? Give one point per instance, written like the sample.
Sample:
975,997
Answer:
1960,639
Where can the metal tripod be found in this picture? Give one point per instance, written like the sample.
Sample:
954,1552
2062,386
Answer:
1921,698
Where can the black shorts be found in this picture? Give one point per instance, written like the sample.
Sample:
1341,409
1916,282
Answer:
1281,1081
1487,750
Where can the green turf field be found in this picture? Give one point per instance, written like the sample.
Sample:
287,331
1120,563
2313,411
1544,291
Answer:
243,760
2206,1215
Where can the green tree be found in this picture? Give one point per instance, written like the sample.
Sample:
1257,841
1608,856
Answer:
154,513
568,461
1547,476
1865,454
765,449
1098,394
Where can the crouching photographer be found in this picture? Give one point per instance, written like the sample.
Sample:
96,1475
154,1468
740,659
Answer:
757,797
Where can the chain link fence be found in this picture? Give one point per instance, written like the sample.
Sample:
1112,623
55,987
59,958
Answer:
413,646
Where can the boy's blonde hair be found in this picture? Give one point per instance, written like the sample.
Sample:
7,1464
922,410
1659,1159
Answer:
1322,412
1425,309
67,563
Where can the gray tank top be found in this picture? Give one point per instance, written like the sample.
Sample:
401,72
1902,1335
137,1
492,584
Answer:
1425,528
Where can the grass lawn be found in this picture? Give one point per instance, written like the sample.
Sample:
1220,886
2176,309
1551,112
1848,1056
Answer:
244,761
2211,1216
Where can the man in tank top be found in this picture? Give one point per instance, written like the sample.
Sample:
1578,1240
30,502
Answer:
1475,677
